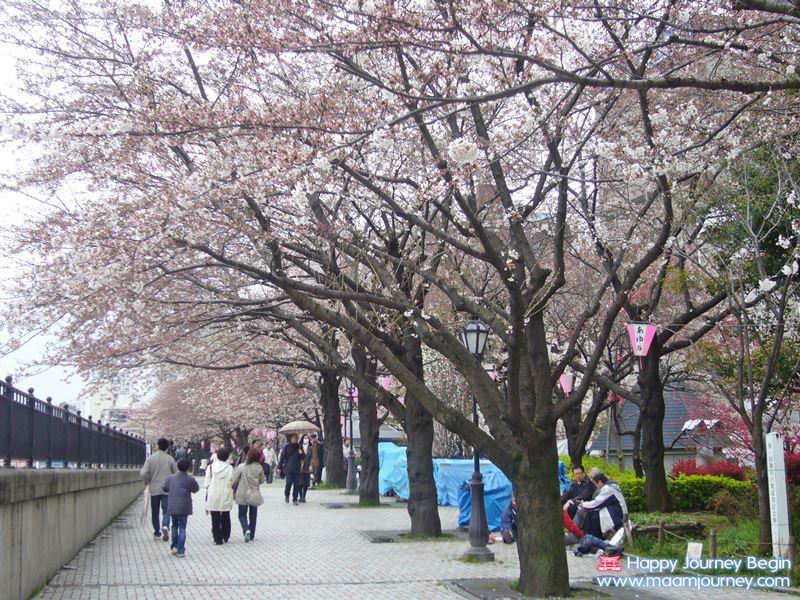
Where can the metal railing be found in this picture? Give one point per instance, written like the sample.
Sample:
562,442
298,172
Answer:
35,433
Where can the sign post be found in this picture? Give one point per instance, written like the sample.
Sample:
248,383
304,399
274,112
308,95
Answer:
779,511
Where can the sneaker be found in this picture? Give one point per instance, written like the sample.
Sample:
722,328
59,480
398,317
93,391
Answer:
246,536
614,551
287,499
181,554
157,535
165,534
173,550
578,553
506,535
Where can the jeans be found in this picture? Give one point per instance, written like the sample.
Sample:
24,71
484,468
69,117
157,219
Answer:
157,502
221,525
293,483
590,542
179,523
270,474
251,526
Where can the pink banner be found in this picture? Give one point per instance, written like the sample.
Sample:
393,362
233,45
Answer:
386,382
567,381
641,335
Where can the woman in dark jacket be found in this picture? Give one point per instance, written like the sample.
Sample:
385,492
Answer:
289,464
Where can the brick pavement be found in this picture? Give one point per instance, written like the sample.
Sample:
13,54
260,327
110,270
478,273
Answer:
299,552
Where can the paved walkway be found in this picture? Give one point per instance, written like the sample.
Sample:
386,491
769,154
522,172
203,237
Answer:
299,552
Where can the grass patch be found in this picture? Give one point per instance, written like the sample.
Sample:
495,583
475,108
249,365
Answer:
471,560
327,486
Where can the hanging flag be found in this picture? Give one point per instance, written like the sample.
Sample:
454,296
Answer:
641,335
567,381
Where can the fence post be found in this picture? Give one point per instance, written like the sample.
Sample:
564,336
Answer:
109,443
30,404
712,543
49,432
80,434
8,391
661,533
65,422
91,441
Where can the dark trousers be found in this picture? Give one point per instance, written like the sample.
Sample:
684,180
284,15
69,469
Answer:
318,475
305,481
293,483
221,525
156,503
248,524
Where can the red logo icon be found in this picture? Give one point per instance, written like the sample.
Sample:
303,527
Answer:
609,563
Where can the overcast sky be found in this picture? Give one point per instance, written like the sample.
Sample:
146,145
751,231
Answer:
62,384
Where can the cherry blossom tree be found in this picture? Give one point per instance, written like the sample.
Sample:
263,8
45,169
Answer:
382,167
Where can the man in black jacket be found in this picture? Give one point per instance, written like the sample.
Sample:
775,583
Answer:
289,465
580,489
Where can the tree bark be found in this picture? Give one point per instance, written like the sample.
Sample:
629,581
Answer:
368,428
423,506
332,429
577,446
762,485
542,560
652,433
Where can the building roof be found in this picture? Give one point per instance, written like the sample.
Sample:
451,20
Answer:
677,420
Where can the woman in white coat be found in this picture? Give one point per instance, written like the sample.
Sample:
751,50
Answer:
219,496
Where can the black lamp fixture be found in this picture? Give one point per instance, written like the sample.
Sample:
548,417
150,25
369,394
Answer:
474,336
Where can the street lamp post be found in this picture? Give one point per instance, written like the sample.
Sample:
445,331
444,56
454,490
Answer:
474,335
351,485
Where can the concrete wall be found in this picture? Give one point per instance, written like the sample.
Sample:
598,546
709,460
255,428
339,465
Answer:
47,516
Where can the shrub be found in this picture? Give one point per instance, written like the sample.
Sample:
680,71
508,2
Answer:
720,468
694,492
632,489
738,506
792,461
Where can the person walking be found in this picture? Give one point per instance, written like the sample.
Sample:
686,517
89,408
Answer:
289,465
271,460
317,452
305,469
180,488
219,496
158,466
246,482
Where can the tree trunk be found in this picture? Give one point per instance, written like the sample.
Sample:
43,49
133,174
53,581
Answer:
368,429
335,475
540,545
762,484
423,507
638,469
577,447
652,440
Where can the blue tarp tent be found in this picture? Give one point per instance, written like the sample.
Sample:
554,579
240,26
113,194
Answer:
393,472
451,475
497,497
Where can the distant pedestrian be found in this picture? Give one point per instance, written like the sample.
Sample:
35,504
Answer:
182,452
305,469
180,487
158,466
270,460
317,453
289,465
219,498
246,481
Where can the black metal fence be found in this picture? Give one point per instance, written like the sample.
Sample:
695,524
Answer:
36,433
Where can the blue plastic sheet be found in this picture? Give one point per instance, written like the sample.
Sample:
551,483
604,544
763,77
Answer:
393,472
496,498
452,478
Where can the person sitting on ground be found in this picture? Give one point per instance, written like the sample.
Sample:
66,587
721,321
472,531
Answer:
574,534
581,488
508,527
604,514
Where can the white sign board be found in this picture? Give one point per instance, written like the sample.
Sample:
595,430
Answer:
779,511
694,550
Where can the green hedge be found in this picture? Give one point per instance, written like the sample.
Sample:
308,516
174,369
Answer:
689,492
